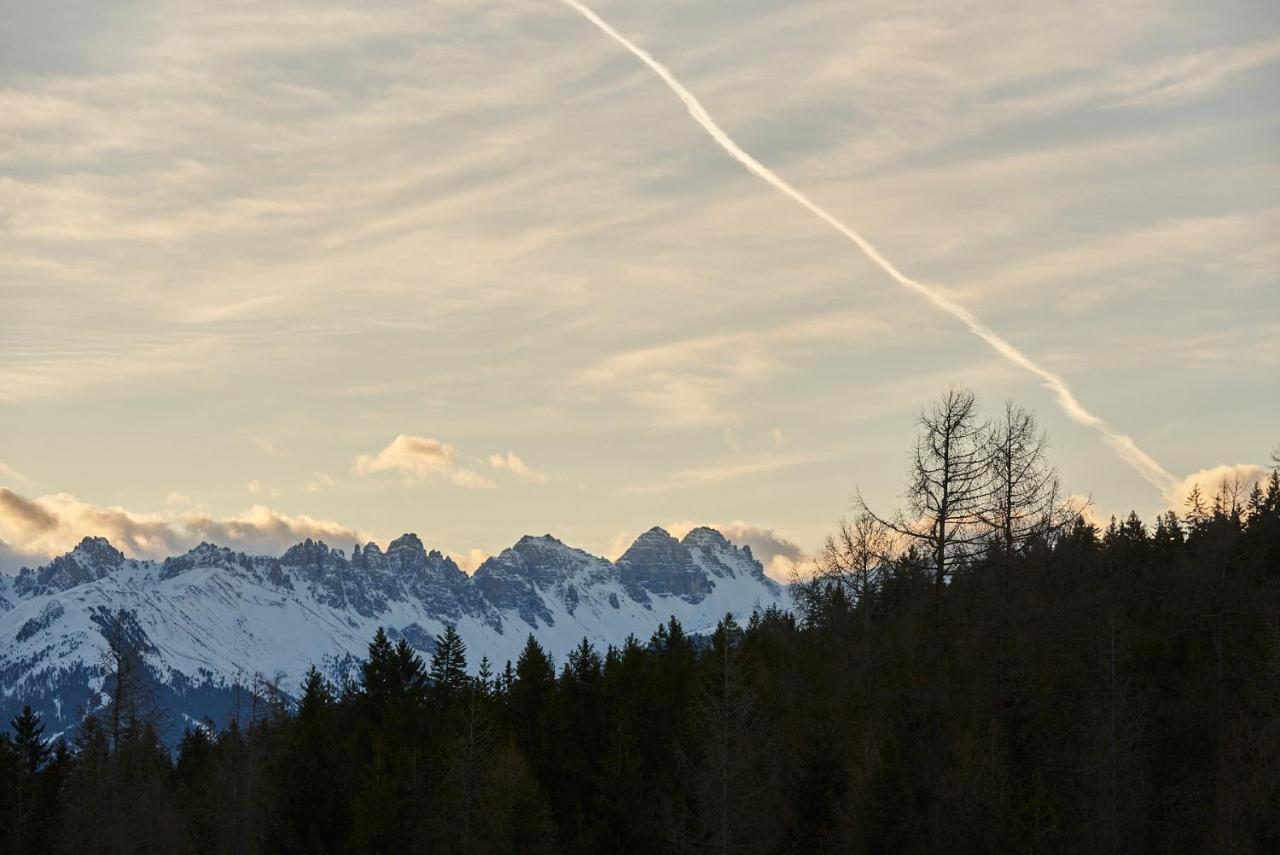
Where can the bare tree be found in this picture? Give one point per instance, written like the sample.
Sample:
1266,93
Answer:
132,697
1231,493
852,560
1025,502
268,703
950,483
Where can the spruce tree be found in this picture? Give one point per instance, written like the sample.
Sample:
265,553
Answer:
449,663
28,737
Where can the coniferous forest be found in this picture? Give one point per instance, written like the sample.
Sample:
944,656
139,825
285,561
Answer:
982,671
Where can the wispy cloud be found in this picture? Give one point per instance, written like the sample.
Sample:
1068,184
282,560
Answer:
695,381
727,471
510,462
300,213
418,458
470,560
319,482
9,473
1124,446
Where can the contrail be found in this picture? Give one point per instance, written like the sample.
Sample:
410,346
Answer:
1124,446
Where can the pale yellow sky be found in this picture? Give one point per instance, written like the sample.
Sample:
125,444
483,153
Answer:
469,269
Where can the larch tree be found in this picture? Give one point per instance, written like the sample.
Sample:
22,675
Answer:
1024,502
950,484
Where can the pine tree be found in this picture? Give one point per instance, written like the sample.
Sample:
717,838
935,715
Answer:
485,681
1197,512
449,663
392,673
30,751
378,670
317,696
528,700
28,737
506,679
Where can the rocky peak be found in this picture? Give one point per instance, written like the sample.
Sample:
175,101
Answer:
370,559
312,555
204,555
531,543
719,556
97,551
406,554
707,538
657,563
209,552
655,545
92,559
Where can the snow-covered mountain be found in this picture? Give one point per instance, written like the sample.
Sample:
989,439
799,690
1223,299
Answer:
212,619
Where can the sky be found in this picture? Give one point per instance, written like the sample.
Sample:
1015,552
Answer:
470,269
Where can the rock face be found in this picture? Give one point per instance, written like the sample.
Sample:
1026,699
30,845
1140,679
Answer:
92,559
657,563
213,618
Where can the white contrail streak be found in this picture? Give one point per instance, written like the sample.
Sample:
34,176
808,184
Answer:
1124,446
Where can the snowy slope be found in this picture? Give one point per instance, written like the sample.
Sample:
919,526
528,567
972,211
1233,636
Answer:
213,618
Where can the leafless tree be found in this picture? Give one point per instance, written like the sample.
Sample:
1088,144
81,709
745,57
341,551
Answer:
950,484
1024,502
1230,498
132,697
852,560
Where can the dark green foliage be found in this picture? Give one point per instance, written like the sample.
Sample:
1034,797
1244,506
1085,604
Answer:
449,663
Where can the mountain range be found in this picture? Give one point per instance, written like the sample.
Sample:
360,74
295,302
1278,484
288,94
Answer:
212,620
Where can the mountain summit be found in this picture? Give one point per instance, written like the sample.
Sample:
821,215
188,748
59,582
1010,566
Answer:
212,618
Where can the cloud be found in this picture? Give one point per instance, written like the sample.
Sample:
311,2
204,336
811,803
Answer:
8,472
319,482
700,380
23,518
1088,509
269,157
418,458
702,475
1196,74
36,529
471,560
513,464
262,529
255,487
1238,478
1122,444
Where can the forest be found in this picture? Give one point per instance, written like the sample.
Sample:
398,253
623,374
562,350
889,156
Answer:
982,670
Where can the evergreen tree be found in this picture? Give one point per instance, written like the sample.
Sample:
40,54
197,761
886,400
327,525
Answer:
485,682
28,738
449,663
21,758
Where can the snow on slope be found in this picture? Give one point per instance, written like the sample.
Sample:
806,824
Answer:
213,618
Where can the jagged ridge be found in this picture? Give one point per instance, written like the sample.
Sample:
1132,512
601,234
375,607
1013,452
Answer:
212,617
